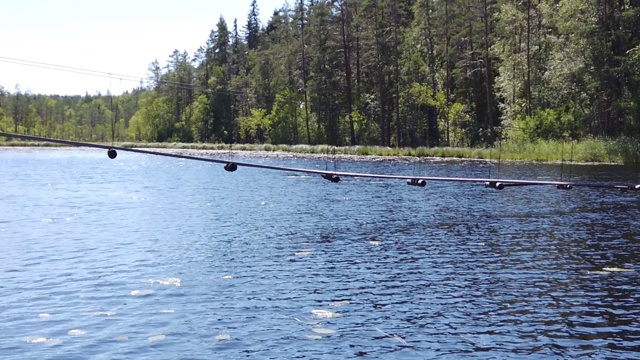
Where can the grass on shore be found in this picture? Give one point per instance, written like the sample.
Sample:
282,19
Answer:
590,150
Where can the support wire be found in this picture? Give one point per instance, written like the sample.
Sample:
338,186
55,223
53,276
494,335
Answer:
495,182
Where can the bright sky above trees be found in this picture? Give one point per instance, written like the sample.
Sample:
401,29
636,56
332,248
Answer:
117,37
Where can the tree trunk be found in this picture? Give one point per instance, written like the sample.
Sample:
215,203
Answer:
447,90
488,72
304,72
528,84
346,49
397,76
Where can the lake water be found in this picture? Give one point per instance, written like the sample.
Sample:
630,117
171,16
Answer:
151,257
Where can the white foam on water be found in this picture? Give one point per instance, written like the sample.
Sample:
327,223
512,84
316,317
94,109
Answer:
167,281
222,337
47,221
121,338
43,340
35,339
305,252
228,277
599,272
167,311
314,337
323,331
339,303
144,292
102,313
374,242
76,332
53,342
616,269
44,315
325,314
157,337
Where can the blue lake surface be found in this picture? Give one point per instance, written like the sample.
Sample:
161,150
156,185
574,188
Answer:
151,257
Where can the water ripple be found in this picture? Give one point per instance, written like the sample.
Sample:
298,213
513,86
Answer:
154,258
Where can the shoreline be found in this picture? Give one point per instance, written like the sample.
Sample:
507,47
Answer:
275,154
587,151
280,154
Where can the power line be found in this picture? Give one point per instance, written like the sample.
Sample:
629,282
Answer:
129,78
104,74
68,69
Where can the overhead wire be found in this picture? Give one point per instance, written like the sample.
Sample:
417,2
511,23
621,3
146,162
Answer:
138,79
333,176
110,75
188,86
70,69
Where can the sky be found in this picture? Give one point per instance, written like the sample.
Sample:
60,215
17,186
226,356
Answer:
117,37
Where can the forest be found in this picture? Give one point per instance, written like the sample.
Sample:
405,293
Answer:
405,73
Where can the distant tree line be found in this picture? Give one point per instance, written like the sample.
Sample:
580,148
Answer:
386,72
87,118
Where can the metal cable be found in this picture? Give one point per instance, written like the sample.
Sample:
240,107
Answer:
494,183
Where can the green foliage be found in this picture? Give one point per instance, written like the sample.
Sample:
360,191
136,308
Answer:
138,129
153,121
285,119
460,121
199,119
255,128
367,131
546,125
5,122
625,149
419,73
422,94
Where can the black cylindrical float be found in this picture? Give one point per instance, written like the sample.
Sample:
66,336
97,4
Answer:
417,182
494,185
332,177
231,167
111,153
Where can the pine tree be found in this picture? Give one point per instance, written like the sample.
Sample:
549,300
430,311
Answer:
252,29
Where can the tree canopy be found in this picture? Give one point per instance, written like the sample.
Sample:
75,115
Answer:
363,72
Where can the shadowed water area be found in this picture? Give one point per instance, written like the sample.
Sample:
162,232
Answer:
149,257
